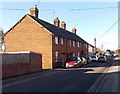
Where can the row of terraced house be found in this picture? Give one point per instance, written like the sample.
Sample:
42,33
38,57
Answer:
52,40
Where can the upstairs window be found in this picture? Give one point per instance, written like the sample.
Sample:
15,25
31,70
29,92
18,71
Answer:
62,41
70,43
56,39
78,44
86,46
83,45
74,43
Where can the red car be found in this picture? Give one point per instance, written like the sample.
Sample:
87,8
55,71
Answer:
74,62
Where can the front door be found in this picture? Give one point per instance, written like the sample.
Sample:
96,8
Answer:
63,59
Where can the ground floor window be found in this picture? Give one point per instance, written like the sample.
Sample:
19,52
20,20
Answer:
56,57
78,54
73,54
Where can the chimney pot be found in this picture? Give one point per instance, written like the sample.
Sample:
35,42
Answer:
34,11
74,30
57,22
63,25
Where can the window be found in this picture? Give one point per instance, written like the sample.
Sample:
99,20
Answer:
74,43
78,53
86,46
83,45
56,40
56,57
73,54
62,41
70,43
78,44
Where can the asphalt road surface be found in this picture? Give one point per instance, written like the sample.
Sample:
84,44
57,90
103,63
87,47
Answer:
59,80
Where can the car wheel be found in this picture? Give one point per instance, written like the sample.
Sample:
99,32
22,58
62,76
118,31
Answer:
78,65
81,65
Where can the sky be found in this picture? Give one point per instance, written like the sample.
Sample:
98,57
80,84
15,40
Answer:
91,19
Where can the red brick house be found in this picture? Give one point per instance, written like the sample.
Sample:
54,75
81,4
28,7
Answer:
54,42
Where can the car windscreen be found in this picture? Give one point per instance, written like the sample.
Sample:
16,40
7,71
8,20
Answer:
101,57
87,58
73,59
93,57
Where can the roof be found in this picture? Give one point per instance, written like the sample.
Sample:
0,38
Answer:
58,31
91,45
54,30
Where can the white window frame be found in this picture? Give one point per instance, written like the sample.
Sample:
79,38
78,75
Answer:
62,41
56,56
86,46
78,54
73,43
56,40
78,44
74,54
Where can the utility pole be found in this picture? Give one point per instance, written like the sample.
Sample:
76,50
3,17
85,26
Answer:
38,4
95,44
102,47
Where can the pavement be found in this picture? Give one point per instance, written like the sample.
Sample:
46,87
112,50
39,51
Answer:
111,82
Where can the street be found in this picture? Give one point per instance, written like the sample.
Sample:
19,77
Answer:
60,80
66,47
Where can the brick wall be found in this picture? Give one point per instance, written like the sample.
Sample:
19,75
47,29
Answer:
66,48
28,35
17,68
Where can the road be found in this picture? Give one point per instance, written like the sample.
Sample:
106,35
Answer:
59,80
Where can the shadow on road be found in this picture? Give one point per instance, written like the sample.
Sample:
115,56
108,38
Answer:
66,80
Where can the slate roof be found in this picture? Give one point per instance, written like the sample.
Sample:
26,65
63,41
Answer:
58,31
91,45
54,30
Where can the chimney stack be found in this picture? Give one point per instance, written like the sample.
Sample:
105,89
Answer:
63,25
57,22
74,30
34,11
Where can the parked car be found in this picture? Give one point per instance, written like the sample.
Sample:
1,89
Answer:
102,59
74,62
89,60
94,58
84,61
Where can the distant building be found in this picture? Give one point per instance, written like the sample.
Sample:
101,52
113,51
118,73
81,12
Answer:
54,42
91,50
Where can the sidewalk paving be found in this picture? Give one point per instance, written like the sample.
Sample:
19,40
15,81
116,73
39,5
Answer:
111,82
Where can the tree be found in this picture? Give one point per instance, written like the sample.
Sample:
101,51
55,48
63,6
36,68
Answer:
1,38
117,52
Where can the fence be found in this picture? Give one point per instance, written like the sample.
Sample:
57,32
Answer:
17,63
